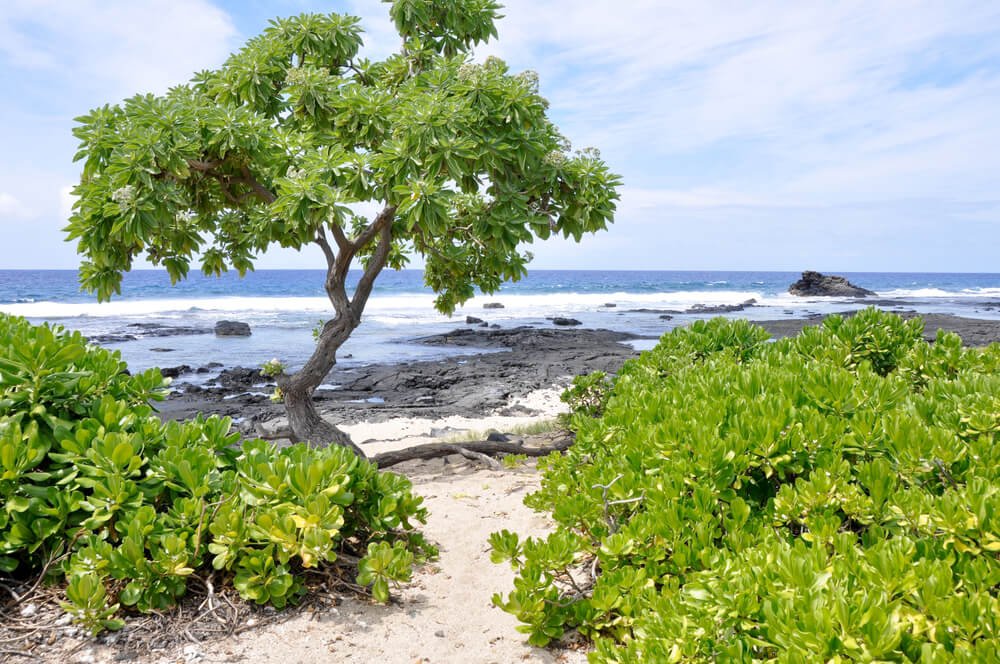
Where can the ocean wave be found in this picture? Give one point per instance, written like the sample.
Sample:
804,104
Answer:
406,310
390,305
168,308
939,292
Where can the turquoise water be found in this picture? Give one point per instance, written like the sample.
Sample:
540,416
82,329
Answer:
283,306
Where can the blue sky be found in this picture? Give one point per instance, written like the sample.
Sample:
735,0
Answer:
764,135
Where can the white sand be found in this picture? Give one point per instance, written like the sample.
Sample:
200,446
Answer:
445,614
404,432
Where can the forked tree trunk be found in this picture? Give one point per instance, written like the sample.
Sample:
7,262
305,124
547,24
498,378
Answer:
308,426
305,422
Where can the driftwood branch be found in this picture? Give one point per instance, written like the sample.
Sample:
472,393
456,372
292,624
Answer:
483,451
278,434
485,447
479,456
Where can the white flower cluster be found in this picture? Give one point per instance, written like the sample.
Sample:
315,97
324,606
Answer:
590,153
295,75
554,158
494,62
530,78
124,196
467,72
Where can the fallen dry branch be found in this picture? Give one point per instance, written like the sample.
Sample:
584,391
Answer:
488,448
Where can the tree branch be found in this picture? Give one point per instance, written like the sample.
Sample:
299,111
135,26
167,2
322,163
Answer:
489,447
224,187
337,292
370,231
210,168
361,74
338,235
202,165
263,193
331,258
383,225
336,272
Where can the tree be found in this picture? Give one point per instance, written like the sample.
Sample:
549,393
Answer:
277,145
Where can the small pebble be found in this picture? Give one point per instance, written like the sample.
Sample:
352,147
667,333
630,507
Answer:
439,633
29,610
192,653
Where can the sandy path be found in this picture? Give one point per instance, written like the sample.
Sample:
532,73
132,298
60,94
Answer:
445,613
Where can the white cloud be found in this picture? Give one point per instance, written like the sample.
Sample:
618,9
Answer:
822,102
116,47
645,201
12,208
66,201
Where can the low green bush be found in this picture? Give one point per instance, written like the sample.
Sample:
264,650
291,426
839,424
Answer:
98,490
829,497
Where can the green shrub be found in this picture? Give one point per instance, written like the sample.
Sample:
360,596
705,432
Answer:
131,507
833,496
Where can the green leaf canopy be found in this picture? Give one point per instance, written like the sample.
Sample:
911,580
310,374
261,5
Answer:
279,144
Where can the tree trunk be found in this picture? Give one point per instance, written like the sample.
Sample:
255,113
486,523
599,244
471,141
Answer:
307,425
297,389
303,419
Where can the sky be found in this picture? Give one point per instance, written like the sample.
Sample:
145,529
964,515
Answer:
847,136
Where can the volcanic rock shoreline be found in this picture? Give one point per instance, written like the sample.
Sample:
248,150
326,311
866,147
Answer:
502,366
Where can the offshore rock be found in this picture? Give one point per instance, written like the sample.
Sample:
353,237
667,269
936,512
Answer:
814,284
655,311
720,308
559,320
232,328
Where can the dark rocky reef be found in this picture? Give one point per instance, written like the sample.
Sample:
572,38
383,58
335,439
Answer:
720,308
474,384
135,331
232,328
814,284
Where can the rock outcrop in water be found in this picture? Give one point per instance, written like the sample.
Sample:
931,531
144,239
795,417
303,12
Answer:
232,328
813,284
720,308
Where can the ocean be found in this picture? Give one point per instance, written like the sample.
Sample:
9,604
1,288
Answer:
283,306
